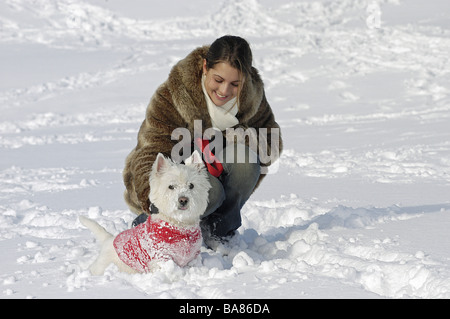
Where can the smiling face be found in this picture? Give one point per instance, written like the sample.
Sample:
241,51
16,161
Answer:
222,82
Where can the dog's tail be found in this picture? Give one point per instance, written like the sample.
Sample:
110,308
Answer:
99,232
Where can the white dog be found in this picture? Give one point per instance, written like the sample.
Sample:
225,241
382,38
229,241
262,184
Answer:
180,192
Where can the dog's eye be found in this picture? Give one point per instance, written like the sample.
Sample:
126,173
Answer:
191,186
171,187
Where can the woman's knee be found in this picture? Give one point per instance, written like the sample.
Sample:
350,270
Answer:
241,163
239,154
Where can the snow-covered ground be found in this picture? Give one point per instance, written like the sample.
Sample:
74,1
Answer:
359,206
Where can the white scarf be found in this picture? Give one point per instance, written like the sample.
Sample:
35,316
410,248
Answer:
222,117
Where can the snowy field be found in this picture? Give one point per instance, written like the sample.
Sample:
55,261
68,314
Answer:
358,208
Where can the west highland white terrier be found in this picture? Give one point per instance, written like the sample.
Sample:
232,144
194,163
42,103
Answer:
180,192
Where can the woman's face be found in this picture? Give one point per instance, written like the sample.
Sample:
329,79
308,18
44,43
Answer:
222,82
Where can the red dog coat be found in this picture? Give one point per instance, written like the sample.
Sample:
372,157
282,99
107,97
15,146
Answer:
157,240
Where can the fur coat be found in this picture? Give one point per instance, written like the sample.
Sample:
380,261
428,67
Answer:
176,104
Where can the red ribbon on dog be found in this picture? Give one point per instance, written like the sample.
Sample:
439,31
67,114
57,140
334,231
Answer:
215,168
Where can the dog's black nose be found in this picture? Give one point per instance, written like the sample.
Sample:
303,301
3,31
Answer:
183,201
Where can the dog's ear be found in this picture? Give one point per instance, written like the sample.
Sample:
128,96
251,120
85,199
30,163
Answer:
195,159
160,163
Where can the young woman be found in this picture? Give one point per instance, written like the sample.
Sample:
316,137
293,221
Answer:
218,86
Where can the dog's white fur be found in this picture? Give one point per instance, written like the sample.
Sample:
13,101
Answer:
179,191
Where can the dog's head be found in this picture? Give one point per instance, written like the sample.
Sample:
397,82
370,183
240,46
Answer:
180,191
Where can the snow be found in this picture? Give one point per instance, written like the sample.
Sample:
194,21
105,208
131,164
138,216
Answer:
358,207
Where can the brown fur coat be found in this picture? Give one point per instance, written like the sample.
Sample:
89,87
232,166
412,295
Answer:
176,104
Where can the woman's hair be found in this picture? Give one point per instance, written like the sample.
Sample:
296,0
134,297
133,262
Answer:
233,50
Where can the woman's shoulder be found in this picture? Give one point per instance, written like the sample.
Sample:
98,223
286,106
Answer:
188,71
194,60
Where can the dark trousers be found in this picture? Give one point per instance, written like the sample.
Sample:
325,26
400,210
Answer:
229,192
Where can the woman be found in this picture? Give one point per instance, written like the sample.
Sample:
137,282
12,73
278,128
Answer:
218,86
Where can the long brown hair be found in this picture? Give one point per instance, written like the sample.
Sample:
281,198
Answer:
233,50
